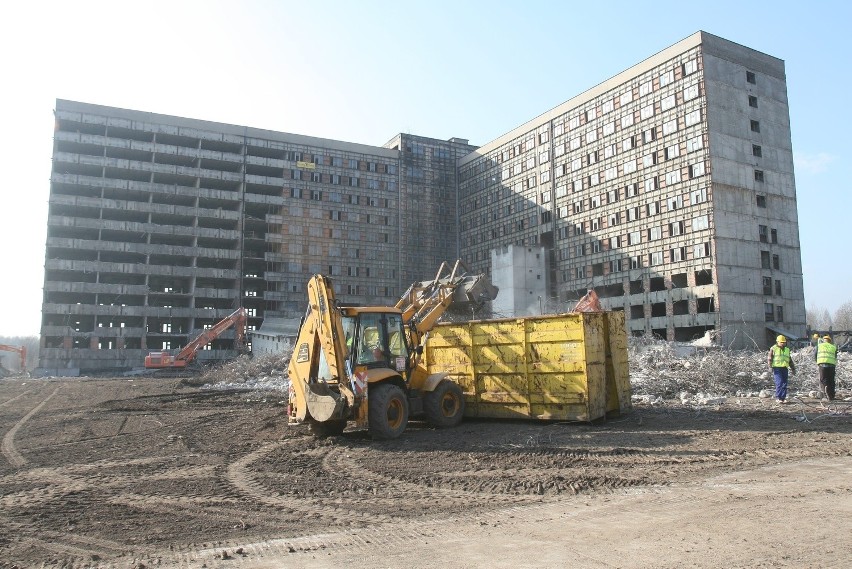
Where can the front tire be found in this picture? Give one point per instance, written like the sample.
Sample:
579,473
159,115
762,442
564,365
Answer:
444,406
388,409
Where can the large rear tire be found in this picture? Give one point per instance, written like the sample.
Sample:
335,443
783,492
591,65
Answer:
323,429
388,408
444,406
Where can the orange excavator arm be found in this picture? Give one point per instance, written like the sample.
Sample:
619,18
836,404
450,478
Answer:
20,350
237,319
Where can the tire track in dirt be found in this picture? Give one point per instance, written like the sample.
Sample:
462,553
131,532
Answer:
8,445
15,398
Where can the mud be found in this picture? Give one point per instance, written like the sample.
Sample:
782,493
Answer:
133,473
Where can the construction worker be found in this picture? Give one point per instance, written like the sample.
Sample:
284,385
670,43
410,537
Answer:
780,363
826,359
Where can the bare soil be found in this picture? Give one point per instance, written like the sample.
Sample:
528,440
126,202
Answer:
154,473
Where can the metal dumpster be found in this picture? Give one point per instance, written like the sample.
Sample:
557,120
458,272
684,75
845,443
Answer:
563,367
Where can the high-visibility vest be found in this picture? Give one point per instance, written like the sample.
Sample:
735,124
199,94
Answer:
780,356
827,353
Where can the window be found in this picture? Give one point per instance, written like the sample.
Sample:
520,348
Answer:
666,78
646,112
615,242
655,258
763,233
614,219
756,150
764,259
633,214
755,126
295,192
776,262
769,311
774,235
626,97
767,286
693,117
578,207
675,202
631,190
612,196
649,135
669,127
615,266
574,122
752,101
561,191
750,77
646,88
779,314
609,151
690,67
649,160
576,164
591,114
651,184
580,272
698,196
655,233
628,143
672,177
676,228
596,246
634,238
700,222
544,157
758,175
672,151
696,143
608,106
545,176
594,179
778,288
627,120
611,173
668,103
636,262
579,250
592,157
701,250
608,128
653,208
591,135
677,254
629,167
761,200
595,201
690,93
696,170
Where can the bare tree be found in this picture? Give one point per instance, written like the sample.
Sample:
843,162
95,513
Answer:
843,316
818,318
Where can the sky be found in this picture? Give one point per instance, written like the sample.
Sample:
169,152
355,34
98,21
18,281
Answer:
365,70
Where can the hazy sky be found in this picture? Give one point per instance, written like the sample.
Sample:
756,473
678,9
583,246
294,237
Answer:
363,71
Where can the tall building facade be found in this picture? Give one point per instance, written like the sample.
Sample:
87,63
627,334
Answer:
668,189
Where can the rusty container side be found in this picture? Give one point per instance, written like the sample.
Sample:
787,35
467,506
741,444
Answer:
562,367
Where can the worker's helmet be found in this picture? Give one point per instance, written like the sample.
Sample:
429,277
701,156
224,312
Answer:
781,340
827,338
816,336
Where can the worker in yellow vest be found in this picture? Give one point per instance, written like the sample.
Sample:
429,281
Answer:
781,364
826,359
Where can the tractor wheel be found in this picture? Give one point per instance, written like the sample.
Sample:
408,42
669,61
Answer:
444,406
388,411
323,429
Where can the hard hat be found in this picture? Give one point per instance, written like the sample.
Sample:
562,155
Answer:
781,339
816,336
827,338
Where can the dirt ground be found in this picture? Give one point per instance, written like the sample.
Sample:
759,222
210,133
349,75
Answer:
153,473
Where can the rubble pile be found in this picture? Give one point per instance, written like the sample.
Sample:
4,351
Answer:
659,371
667,370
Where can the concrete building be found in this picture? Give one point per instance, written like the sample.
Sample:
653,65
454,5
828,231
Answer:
668,188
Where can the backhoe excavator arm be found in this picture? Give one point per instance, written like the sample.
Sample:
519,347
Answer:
237,319
320,392
21,351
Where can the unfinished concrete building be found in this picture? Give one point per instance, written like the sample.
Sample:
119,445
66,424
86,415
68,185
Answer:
668,189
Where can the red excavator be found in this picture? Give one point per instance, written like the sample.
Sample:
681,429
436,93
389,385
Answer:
20,350
165,360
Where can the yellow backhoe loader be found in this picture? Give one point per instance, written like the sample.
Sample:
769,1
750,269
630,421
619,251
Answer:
362,364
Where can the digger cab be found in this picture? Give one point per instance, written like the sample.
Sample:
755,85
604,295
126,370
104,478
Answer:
376,338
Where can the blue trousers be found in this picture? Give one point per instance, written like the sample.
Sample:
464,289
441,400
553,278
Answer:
780,376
